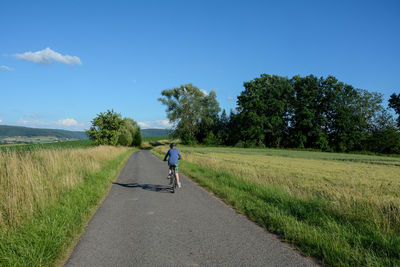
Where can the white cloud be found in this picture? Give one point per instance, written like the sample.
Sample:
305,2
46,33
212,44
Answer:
143,124
204,92
158,124
68,123
230,98
48,56
165,123
1,120
34,115
4,67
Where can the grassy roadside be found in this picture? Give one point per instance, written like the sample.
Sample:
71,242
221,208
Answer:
334,236
45,238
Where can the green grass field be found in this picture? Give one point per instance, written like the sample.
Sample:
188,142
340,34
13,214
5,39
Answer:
54,145
343,209
154,138
294,154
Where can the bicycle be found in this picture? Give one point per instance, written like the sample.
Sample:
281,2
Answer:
173,177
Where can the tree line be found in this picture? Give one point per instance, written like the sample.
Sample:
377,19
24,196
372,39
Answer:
299,112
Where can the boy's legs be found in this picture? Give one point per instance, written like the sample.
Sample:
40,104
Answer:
176,173
177,179
169,174
177,176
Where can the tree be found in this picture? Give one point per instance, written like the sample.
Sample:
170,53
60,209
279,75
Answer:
308,107
221,130
125,137
209,117
233,135
384,138
263,109
305,112
127,133
137,138
105,128
394,103
344,125
191,112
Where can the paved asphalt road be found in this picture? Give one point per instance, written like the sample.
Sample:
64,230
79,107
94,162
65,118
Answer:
141,223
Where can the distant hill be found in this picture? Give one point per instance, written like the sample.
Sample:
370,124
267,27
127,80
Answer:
154,132
19,134
12,131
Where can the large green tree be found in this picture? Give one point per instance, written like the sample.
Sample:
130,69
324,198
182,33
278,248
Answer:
264,108
306,112
349,113
105,128
394,103
191,112
307,119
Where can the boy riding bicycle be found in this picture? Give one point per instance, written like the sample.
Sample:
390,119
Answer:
174,156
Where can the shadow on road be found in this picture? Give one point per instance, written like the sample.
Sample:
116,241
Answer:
149,187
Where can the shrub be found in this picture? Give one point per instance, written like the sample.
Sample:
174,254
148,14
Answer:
127,133
211,139
105,128
125,137
137,138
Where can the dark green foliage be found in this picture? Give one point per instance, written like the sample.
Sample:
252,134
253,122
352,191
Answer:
129,134
263,109
191,111
384,141
394,103
310,112
137,138
110,129
341,114
105,128
125,137
222,132
11,131
384,137
233,135
308,108
274,111
212,139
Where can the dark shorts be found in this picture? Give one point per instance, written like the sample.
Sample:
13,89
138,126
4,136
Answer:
176,167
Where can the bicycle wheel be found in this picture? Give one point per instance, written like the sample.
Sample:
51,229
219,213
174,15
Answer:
173,186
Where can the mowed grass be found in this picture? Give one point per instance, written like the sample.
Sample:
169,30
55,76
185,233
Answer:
46,197
343,209
157,142
154,138
303,154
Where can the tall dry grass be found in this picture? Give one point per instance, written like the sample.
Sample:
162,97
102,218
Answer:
30,180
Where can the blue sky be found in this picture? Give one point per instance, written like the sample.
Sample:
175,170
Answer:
63,62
